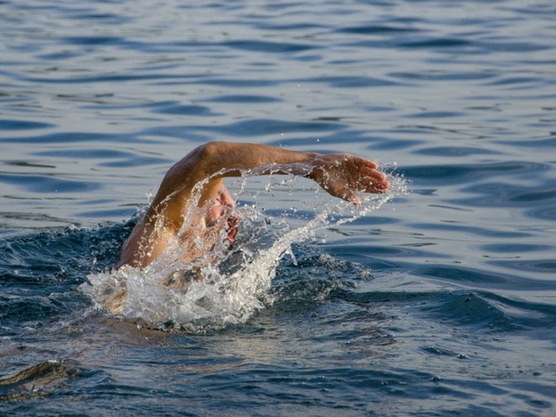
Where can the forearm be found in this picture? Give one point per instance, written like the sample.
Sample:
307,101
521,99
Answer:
233,158
215,160
339,174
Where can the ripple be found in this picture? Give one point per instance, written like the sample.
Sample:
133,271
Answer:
454,151
505,247
238,83
467,229
184,110
396,144
245,98
464,275
437,43
266,46
330,139
48,378
105,78
435,114
93,40
263,127
515,46
498,194
463,173
546,266
438,75
48,184
349,81
542,213
75,137
122,158
490,312
547,142
23,125
515,80
115,213
59,55
376,29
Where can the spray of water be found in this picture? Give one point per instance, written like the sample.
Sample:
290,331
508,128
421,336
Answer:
227,285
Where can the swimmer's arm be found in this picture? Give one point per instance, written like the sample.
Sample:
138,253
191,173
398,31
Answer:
339,174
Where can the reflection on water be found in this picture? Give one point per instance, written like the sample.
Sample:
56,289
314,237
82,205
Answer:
439,303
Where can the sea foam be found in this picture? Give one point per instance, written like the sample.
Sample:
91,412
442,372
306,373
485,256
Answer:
227,285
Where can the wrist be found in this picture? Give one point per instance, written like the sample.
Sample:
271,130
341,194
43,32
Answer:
316,168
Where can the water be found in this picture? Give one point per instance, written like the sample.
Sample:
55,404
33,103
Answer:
441,302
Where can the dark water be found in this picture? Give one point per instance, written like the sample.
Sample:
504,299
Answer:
441,303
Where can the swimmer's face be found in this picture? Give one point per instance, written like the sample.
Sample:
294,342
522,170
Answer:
220,214
221,208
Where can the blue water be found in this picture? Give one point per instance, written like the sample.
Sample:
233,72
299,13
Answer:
442,302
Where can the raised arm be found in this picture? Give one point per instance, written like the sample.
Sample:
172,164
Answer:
341,175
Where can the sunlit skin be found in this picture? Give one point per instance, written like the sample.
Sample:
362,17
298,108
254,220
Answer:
341,175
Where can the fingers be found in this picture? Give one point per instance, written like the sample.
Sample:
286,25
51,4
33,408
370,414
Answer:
345,175
349,195
354,198
371,180
373,175
365,163
374,184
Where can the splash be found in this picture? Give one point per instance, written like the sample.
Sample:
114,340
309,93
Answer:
227,285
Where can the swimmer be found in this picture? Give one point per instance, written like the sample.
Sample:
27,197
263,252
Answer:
341,175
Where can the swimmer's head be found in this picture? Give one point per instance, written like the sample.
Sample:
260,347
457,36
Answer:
220,208
219,214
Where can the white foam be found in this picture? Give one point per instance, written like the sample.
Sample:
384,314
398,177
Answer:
228,286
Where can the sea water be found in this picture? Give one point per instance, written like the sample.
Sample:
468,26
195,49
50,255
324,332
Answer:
438,299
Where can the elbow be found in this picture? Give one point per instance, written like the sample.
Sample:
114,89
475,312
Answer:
209,150
196,162
205,157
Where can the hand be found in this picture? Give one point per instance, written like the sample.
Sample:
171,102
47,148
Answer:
342,175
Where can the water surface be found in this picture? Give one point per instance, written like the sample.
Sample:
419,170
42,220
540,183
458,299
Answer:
442,302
